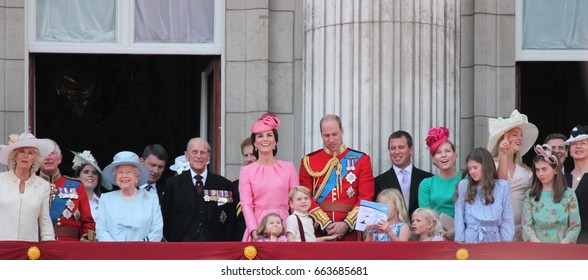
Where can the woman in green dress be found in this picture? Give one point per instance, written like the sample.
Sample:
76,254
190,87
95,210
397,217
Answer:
437,192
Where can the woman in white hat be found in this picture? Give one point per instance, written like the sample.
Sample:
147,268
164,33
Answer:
511,138
24,197
128,214
87,171
577,178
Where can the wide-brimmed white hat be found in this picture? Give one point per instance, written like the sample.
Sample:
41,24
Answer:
26,139
86,157
499,126
122,158
579,132
180,165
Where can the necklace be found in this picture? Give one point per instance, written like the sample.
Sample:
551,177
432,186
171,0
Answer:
579,177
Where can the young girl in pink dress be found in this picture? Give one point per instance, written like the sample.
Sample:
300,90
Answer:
264,185
271,229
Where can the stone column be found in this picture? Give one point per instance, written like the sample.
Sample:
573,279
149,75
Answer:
382,65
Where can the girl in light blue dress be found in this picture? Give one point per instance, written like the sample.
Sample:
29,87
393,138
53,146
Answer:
396,227
483,210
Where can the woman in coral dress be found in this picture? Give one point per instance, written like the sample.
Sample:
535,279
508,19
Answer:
264,185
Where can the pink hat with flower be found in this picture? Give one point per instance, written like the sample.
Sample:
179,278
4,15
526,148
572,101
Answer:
435,137
267,122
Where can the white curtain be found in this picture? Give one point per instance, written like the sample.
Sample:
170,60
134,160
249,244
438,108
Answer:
76,20
561,24
174,21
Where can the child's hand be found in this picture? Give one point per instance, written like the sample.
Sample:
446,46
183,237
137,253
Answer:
332,237
383,226
275,231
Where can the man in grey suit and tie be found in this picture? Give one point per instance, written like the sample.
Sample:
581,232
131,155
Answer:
403,175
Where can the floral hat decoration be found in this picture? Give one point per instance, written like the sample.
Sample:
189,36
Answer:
579,132
26,139
86,157
435,137
180,165
267,122
499,126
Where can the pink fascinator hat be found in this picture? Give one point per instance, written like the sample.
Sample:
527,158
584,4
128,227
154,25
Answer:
267,122
435,137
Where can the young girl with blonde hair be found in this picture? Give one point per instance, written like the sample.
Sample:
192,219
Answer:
396,227
426,226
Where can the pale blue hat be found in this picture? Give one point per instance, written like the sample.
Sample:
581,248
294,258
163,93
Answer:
122,158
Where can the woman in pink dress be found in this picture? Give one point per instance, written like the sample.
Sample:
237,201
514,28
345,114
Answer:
264,185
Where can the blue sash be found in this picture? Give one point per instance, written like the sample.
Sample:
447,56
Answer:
58,203
332,177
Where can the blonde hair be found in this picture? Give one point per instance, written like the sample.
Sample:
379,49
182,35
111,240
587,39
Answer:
296,190
36,165
394,196
431,216
263,223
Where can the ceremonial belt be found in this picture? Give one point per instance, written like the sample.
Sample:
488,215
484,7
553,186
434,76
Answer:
58,203
336,207
332,177
67,232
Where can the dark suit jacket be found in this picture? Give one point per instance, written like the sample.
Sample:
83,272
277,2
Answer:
240,225
389,179
179,209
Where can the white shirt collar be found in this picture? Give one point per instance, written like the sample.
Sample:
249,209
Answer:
204,175
397,170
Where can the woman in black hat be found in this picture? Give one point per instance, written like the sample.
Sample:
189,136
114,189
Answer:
577,179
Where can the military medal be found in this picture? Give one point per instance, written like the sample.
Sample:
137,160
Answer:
350,192
350,165
350,177
66,213
223,217
70,205
206,195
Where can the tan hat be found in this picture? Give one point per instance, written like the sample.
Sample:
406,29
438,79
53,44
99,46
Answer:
15,141
499,126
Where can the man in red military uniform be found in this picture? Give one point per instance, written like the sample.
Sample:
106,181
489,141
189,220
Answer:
70,209
339,178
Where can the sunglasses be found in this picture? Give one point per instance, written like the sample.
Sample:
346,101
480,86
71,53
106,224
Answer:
90,171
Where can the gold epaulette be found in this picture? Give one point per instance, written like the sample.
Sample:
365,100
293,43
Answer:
320,218
351,218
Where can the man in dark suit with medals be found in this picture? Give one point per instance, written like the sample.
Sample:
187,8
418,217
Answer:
403,175
198,205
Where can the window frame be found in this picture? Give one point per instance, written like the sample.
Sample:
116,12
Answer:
540,55
125,36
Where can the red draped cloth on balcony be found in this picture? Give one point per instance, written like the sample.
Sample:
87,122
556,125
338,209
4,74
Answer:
71,250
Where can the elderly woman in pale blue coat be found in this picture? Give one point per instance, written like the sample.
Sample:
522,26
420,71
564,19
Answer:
129,214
